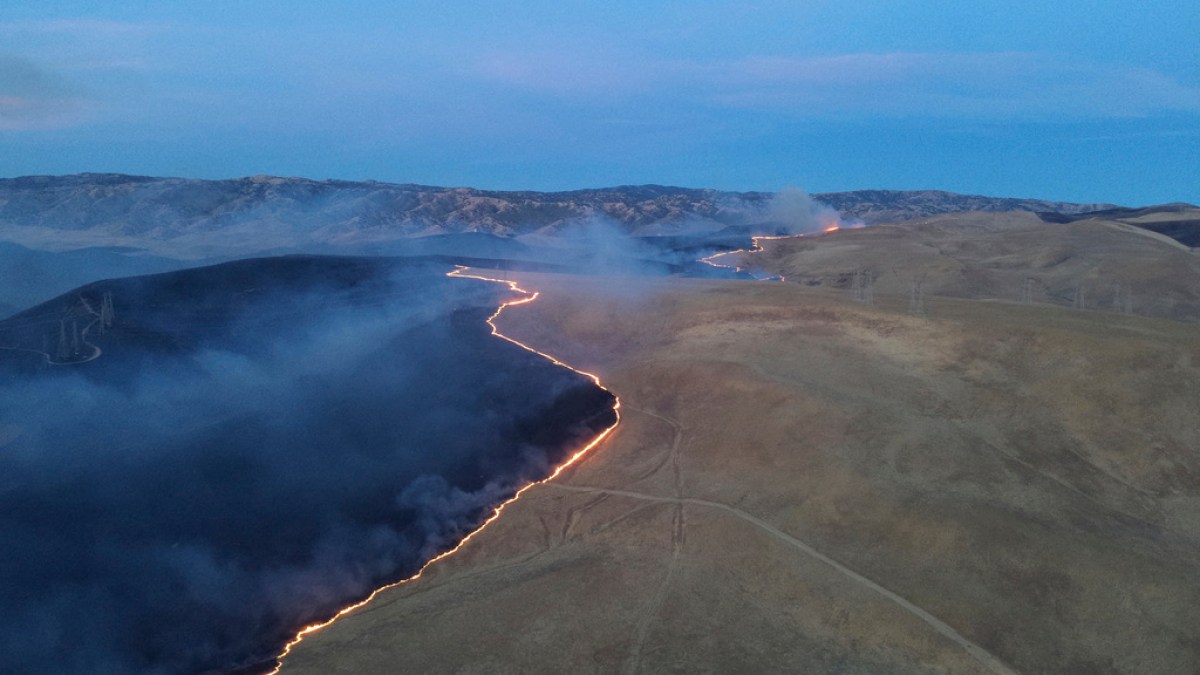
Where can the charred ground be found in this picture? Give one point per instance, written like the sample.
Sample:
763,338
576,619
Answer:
259,443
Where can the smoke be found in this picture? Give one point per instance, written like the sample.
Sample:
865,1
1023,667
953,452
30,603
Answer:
799,213
29,276
601,246
260,444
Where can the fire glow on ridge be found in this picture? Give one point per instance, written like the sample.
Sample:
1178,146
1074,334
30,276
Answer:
529,296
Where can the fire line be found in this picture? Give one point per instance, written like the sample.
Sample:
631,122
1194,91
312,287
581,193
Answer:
756,248
461,273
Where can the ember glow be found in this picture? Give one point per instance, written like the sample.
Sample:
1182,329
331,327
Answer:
529,296
756,248
831,226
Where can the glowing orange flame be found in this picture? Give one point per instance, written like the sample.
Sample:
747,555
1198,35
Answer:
460,272
756,248
833,228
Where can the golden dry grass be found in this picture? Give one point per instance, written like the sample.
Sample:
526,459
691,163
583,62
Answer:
806,484
1116,267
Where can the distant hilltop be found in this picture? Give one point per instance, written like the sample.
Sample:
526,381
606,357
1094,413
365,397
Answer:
897,206
261,212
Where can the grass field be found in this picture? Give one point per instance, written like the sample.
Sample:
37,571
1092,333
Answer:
802,483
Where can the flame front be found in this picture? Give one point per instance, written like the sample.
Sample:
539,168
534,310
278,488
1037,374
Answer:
756,248
530,296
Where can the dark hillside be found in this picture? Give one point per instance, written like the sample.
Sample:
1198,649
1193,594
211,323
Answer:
247,447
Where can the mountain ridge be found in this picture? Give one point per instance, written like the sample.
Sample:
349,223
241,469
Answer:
254,212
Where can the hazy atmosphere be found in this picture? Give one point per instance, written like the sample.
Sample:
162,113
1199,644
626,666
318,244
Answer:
256,444
559,337
1052,100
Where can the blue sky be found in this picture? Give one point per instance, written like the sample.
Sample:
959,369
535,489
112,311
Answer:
1085,101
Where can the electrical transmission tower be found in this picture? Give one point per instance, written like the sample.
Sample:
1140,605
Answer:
1122,299
862,287
916,300
64,349
106,312
1027,291
916,297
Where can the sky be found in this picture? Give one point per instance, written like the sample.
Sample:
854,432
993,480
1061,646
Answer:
1094,101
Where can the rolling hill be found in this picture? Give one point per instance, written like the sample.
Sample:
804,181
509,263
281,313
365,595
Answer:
1092,262
200,218
803,483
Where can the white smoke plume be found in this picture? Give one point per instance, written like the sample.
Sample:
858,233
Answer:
793,208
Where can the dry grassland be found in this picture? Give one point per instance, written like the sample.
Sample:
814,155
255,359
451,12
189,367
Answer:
805,484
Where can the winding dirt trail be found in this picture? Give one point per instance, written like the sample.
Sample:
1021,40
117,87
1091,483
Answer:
83,336
678,529
978,653
96,352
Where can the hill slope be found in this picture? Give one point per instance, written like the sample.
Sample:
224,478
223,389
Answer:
1180,222
1092,263
806,484
246,447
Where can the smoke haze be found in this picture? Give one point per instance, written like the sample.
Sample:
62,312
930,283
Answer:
260,443
799,213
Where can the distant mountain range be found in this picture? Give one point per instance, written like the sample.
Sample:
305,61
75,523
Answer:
897,206
194,218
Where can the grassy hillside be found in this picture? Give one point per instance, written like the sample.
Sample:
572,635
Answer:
802,483
1095,264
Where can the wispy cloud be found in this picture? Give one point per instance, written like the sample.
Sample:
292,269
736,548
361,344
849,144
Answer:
1013,84
79,27
63,73
33,97
574,70
85,44
898,84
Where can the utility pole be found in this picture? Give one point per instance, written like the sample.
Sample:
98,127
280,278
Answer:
1122,299
862,287
106,311
916,297
63,350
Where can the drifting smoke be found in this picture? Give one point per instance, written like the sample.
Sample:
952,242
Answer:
29,276
250,454
799,213
601,246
